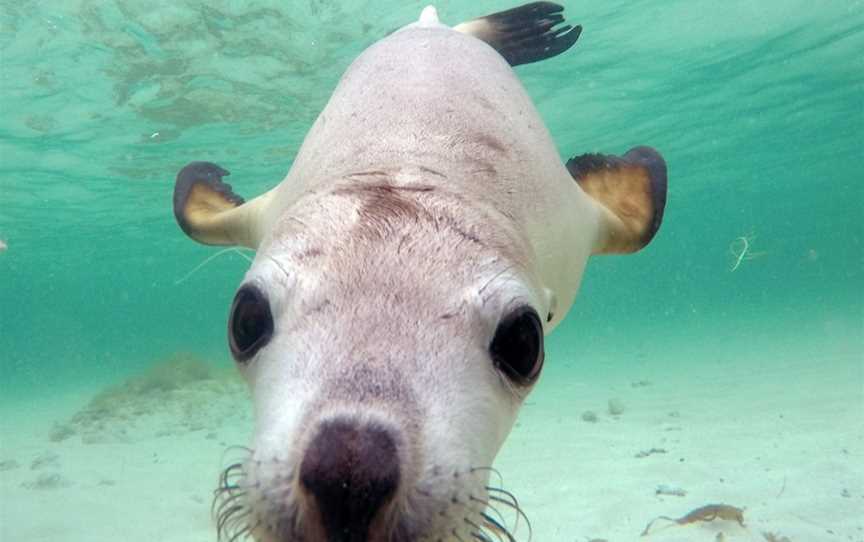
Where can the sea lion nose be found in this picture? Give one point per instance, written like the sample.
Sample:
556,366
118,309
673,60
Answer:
350,471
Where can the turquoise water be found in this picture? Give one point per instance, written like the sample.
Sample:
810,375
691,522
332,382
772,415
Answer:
758,109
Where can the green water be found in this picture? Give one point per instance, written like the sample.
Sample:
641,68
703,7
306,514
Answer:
758,108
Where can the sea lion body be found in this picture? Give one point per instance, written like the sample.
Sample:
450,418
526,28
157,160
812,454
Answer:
425,239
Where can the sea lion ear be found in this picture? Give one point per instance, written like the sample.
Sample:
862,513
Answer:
631,191
208,211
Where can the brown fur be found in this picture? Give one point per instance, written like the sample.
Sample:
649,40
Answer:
625,190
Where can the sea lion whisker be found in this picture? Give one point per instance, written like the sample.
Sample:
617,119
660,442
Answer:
479,532
481,536
482,289
229,523
472,524
492,470
236,532
231,490
229,520
227,513
226,502
222,501
512,503
487,506
212,257
497,528
238,447
229,508
503,496
236,529
231,481
235,469
228,493
242,533
506,502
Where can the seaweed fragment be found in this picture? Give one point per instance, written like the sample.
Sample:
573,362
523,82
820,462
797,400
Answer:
703,514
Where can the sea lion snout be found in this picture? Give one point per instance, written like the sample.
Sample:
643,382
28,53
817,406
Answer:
349,474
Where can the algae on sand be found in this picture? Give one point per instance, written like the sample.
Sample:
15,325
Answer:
191,392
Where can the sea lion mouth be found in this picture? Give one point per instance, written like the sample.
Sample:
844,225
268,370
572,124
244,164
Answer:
448,504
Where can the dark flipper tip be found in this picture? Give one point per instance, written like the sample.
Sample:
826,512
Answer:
199,191
528,33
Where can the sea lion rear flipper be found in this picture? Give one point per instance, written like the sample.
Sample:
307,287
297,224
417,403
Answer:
208,211
631,191
524,34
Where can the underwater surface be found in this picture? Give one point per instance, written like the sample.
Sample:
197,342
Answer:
754,282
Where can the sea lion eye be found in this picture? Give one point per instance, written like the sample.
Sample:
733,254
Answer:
517,348
251,323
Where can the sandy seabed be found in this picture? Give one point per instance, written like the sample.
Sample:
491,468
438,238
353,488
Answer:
782,440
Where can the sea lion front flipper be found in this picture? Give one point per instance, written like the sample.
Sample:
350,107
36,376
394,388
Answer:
208,211
631,190
524,34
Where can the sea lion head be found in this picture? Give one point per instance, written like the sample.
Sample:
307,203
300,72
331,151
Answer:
388,355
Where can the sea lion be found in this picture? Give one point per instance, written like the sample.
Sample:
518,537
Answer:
425,239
